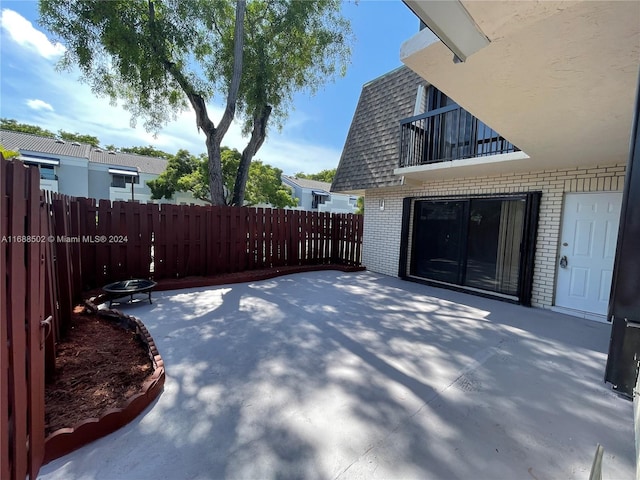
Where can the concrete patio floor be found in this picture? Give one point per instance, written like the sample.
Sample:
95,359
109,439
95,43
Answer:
332,375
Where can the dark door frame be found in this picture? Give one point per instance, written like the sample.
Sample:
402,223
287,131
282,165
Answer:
527,248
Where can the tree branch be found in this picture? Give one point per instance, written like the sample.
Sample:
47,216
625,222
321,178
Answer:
197,101
234,87
258,134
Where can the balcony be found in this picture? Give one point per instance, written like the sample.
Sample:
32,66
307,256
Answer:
449,142
447,134
49,184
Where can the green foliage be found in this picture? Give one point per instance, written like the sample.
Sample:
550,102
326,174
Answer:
265,186
168,182
290,46
188,173
148,151
322,176
14,126
7,154
360,205
113,43
77,137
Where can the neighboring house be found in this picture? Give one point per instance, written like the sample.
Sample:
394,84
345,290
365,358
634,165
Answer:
529,214
81,170
317,196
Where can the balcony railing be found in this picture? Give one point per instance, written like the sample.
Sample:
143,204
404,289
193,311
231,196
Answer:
448,133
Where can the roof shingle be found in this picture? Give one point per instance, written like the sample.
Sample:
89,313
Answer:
371,151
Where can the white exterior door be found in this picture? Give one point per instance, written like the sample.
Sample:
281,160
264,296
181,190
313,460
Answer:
588,244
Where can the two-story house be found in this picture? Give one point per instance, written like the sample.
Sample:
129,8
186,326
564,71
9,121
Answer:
495,163
316,196
81,170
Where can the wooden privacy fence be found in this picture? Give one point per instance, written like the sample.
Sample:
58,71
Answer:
137,240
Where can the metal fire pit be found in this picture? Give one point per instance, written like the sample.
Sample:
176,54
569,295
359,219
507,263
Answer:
128,288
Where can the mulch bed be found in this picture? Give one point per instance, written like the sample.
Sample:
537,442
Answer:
98,367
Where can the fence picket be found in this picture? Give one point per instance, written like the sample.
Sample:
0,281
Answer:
268,237
64,270
5,441
35,315
88,225
16,319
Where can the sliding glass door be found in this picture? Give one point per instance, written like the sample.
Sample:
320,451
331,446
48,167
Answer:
472,242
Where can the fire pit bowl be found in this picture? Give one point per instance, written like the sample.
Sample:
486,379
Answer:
128,288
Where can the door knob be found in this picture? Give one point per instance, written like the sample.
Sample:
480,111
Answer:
564,261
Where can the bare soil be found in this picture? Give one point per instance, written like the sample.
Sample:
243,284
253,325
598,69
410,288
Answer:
98,367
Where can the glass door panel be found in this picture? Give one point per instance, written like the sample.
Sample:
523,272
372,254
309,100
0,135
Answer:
439,240
493,244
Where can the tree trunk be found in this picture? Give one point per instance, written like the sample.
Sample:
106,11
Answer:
214,138
258,135
216,186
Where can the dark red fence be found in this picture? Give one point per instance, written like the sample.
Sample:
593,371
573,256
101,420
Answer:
53,247
137,240
23,226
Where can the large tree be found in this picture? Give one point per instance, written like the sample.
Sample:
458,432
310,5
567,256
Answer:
189,173
161,56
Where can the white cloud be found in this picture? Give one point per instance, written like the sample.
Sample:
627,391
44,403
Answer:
23,33
38,104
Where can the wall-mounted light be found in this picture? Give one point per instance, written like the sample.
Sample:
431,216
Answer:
381,204
452,24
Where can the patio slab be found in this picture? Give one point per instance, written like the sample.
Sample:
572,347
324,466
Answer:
331,375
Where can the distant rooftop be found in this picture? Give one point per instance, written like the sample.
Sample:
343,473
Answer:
26,142
305,183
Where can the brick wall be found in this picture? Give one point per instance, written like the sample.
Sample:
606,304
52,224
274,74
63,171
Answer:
382,227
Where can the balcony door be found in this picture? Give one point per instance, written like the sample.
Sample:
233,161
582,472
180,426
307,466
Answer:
482,243
451,133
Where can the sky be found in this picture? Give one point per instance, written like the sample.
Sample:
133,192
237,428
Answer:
34,91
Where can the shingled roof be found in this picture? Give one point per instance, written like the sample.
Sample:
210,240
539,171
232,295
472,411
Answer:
35,143
143,163
371,151
306,183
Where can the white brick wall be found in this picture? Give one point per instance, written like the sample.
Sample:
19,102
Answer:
382,227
